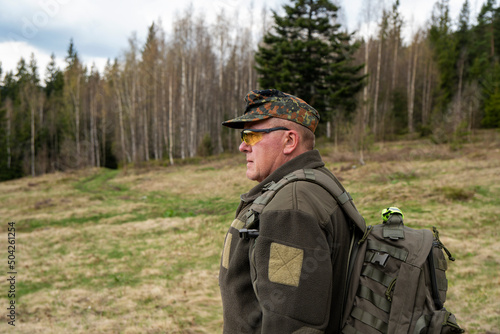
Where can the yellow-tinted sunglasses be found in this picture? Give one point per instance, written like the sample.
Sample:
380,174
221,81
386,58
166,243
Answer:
253,136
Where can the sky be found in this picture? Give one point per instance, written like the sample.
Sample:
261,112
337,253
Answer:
100,29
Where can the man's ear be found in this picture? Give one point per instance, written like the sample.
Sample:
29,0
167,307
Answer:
291,141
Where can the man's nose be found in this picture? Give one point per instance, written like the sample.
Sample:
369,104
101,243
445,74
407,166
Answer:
244,147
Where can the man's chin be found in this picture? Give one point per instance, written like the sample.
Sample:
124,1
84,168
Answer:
251,175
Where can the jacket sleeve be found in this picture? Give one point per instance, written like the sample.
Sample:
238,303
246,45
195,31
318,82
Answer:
292,260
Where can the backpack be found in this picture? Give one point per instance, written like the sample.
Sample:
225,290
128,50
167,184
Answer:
398,282
396,278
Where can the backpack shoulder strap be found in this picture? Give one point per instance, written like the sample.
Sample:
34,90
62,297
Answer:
328,181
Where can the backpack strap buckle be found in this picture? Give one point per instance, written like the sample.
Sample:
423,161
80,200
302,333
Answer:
247,234
380,258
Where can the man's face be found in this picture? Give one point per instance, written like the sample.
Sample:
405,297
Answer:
266,156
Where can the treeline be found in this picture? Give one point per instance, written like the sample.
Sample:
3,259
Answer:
166,98
443,84
162,100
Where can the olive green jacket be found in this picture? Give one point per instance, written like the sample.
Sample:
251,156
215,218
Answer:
291,278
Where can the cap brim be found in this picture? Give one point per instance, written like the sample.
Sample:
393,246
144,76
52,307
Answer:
239,122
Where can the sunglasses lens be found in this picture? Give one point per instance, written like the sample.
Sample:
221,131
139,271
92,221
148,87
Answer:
251,138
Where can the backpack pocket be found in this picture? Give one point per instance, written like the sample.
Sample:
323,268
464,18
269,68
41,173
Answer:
439,322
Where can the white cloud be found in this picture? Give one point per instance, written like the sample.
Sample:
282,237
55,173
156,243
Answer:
12,52
100,29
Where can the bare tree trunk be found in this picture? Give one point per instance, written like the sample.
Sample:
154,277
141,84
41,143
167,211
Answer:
170,125
95,132
183,106
458,111
122,130
32,108
365,89
8,105
412,94
193,129
76,104
103,138
428,96
395,62
250,57
92,136
412,67
155,126
164,107
144,118
133,117
222,35
424,92
377,86
160,116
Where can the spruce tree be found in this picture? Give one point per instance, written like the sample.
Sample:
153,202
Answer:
57,120
306,54
445,52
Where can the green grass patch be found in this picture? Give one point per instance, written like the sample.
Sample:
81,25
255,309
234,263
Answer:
402,177
30,225
456,193
24,288
100,182
175,206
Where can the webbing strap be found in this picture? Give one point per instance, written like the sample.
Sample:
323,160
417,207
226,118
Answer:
394,228
369,319
434,283
344,198
327,181
377,275
309,174
348,329
379,301
261,199
336,189
422,324
442,283
376,257
397,253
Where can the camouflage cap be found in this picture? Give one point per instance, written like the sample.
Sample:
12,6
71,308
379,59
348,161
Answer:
263,104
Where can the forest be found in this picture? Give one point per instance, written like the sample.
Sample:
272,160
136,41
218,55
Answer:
164,100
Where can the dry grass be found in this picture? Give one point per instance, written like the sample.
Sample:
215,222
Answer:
137,251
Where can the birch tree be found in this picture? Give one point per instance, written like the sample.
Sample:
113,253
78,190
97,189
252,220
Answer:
412,73
73,78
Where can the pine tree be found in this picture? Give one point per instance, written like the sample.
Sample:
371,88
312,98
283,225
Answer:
444,46
73,79
484,41
491,91
56,124
309,56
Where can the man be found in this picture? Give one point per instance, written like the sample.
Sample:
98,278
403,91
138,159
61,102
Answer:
289,277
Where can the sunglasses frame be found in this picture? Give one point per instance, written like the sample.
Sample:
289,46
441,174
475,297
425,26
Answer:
245,131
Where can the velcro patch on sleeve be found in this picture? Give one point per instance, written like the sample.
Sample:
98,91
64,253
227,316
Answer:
285,264
227,249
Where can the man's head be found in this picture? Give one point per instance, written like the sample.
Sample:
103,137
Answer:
284,128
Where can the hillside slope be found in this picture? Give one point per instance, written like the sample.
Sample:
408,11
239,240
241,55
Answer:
137,250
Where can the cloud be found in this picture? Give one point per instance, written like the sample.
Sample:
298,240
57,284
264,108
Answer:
12,52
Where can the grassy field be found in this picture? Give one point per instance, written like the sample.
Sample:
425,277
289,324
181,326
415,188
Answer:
137,250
